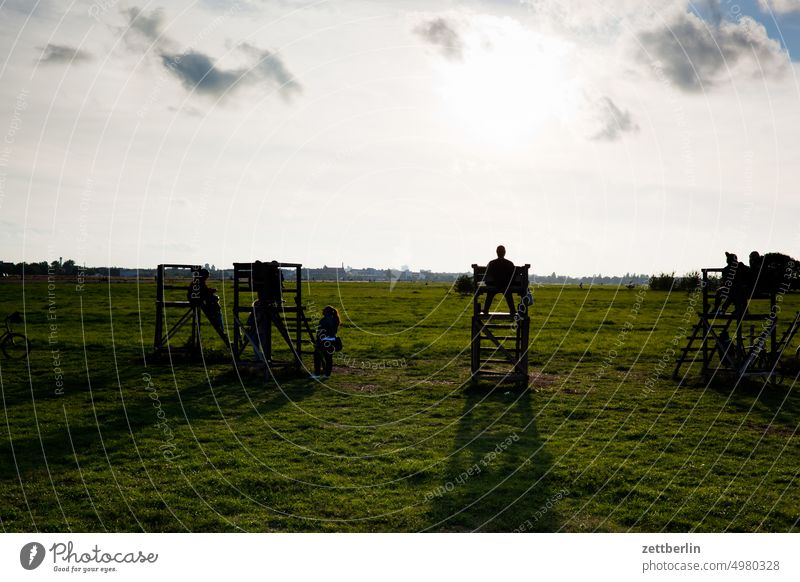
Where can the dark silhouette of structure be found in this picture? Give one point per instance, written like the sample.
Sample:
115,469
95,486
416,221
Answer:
726,343
735,287
498,278
199,294
772,271
195,299
499,345
275,311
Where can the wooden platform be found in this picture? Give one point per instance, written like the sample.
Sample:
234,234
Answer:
723,343
499,340
281,305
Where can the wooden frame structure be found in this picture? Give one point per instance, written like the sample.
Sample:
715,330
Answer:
279,309
726,345
499,341
190,314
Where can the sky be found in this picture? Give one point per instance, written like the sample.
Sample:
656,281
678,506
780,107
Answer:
588,137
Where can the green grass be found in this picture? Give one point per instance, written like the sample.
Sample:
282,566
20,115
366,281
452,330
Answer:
397,440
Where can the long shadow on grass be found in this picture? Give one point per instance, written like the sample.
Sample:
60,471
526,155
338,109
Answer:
777,407
232,396
496,478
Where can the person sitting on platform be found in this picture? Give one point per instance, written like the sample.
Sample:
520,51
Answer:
327,343
498,278
205,297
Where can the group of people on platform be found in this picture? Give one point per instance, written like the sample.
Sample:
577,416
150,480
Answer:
741,282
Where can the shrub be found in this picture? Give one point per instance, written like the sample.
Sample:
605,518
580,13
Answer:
662,282
689,282
463,285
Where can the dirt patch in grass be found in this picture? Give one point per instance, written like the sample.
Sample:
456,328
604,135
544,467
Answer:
364,388
542,380
774,430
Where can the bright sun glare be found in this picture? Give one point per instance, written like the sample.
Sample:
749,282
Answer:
507,83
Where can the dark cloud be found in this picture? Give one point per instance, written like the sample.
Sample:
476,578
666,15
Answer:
148,26
197,72
56,54
270,67
695,54
615,121
442,34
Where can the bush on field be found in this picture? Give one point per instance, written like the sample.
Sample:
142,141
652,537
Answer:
669,282
662,282
463,285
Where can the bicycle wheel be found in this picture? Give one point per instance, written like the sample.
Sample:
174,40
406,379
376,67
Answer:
16,346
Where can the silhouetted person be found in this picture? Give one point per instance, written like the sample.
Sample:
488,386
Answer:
734,288
756,260
205,297
498,279
327,343
258,330
267,282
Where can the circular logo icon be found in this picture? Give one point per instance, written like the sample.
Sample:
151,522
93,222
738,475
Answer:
31,555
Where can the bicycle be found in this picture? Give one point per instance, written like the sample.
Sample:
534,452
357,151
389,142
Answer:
15,346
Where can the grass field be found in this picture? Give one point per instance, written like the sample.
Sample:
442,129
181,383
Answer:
396,440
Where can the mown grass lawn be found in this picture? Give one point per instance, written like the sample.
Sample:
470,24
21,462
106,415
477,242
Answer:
397,440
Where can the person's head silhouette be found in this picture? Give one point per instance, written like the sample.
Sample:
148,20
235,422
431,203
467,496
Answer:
501,251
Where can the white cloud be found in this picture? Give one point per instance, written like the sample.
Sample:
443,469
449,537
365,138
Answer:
780,6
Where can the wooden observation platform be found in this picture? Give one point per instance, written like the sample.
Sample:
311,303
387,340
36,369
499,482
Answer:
268,314
744,344
499,345
172,298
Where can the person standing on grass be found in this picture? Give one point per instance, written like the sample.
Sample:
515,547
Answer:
327,343
499,276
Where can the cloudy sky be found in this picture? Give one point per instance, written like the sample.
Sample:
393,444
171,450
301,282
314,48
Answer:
588,137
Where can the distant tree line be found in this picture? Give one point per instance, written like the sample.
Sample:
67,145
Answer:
67,267
70,268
